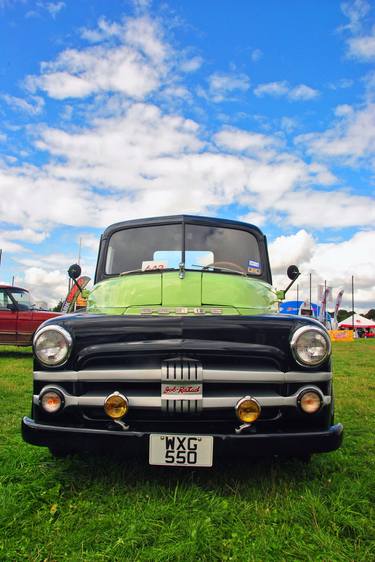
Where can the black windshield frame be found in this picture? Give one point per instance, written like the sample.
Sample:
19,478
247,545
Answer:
183,220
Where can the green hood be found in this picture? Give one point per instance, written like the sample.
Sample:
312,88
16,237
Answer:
134,293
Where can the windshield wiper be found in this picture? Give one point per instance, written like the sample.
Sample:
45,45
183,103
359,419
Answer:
148,270
216,268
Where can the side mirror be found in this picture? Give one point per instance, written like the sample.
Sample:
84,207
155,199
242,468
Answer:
12,307
293,272
74,271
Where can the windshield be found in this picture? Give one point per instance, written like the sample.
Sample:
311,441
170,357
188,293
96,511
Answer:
22,298
198,247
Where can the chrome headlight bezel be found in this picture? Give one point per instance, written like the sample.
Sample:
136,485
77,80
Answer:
68,344
315,330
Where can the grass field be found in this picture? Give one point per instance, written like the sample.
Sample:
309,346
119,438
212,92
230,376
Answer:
104,509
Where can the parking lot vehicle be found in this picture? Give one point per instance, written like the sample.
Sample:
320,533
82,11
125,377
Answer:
19,318
182,353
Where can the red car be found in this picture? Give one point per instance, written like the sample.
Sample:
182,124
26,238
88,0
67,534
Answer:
18,317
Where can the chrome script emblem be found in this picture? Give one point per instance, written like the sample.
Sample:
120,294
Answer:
180,310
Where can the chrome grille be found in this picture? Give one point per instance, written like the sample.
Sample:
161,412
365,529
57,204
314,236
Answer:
181,386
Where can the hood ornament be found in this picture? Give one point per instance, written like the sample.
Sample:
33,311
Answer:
182,270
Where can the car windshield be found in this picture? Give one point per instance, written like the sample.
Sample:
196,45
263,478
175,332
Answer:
197,246
22,298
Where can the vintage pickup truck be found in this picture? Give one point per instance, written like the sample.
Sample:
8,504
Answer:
19,318
182,354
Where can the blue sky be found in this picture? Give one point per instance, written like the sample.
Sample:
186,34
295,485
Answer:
258,110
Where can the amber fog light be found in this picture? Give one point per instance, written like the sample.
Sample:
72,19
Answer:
248,409
310,401
116,406
51,401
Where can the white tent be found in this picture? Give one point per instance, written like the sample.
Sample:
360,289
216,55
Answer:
359,322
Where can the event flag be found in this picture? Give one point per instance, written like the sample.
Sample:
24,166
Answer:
337,305
325,296
73,294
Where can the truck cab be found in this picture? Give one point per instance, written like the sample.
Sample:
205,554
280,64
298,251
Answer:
19,317
182,353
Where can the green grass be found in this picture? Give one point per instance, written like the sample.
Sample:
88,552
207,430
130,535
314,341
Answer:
105,509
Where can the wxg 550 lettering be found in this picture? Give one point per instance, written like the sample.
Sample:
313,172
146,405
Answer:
181,450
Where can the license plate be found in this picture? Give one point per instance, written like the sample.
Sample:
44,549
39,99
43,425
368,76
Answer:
181,450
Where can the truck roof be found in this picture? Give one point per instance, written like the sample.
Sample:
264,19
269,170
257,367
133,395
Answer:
172,219
12,287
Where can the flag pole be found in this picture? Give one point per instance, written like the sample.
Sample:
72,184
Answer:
353,303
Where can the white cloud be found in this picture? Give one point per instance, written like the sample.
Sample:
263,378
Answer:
285,250
244,141
224,86
254,218
343,109
46,277
104,30
144,162
288,124
91,242
334,263
362,47
352,137
361,42
69,204
54,7
355,11
302,92
27,235
327,209
7,245
283,88
341,84
50,285
256,54
133,66
272,89
33,107
192,64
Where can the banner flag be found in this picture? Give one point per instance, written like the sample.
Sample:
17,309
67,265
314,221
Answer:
341,335
323,304
73,294
337,305
320,293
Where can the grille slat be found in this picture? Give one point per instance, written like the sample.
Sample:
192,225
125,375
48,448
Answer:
185,395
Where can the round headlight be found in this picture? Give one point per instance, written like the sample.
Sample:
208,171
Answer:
247,409
52,345
310,345
116,405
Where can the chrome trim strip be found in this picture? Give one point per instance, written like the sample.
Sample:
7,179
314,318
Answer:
272,400
208,376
